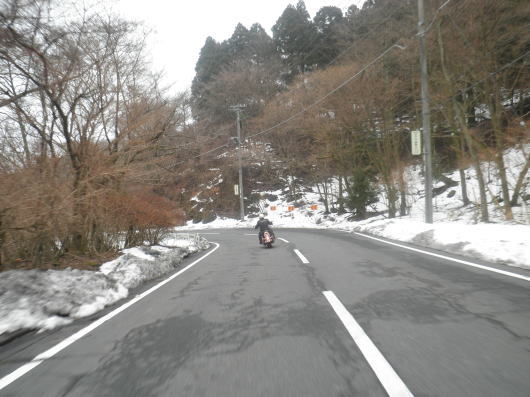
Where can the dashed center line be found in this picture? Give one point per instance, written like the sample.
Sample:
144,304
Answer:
390,380
302,257
284,240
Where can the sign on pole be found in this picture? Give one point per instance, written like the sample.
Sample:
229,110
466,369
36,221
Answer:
236,190
415,140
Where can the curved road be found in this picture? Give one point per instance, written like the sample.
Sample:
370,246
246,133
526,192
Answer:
323,313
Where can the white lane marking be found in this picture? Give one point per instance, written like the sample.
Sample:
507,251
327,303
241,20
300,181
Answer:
284,240
209,233
302,258
24,369
491,269
390,380
251,234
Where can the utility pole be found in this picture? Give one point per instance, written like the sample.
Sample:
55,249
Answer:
426,115
237,109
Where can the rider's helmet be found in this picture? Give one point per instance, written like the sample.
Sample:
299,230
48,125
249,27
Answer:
261,216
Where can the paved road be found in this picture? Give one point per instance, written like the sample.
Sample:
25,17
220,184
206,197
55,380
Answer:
248,321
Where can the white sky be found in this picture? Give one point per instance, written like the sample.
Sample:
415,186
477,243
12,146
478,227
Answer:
180,27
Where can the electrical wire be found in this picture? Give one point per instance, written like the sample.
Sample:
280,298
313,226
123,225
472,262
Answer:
434,18
324,97
366,34
321,99
305,109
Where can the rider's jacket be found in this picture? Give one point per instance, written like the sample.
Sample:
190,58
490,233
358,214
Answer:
263,224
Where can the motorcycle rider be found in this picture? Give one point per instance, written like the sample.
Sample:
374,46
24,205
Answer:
263,225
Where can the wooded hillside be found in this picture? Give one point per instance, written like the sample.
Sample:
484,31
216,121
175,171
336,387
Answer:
96,155
338,95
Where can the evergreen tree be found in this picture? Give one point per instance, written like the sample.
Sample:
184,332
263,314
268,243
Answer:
330,26
295,37
239,43
352,12
250,45
361,192
211,60
243,69
262,46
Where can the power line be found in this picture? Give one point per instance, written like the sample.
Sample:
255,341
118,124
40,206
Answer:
321,99
436,13
343,52
305,109
375,26
362,36
350,78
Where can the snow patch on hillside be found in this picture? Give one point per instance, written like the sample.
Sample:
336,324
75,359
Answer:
456,229
448,205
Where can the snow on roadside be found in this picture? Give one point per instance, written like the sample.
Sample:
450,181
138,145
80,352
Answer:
507,244
47,299
35,299
498,243
456,229
191,242
141,264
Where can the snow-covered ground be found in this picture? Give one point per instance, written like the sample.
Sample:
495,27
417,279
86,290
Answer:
456,228
35,299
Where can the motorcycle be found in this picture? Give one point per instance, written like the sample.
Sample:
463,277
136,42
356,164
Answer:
267,239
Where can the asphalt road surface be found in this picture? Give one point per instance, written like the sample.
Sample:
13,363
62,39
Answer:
323,313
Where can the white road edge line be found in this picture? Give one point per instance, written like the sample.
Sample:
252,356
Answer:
208,233
390,380
491,269
302,258
284,240
24,369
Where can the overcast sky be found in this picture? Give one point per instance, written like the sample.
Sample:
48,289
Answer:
180,27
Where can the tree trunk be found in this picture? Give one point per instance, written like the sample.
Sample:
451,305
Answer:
349,190
324,198
519,183
392,198
24,135
463,118
484,215
340,199
495,108
461,171
403,202
463,187
2,234
499,160
79,233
